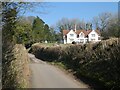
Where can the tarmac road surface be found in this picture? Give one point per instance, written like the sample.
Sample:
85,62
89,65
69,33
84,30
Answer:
45,75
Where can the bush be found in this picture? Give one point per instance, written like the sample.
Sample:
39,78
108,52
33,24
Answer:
98,61
73,42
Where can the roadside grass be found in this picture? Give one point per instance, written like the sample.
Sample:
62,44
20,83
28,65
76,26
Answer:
51,44
59,64
64,68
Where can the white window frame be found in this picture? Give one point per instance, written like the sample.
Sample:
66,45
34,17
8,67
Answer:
71,35
81,40
93,35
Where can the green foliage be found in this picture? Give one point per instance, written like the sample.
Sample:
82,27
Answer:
12,66
23,33
99,61
28,33
9,15
42,31
38,29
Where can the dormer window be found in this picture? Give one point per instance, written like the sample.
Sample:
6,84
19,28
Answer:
71,35
93,35
81,35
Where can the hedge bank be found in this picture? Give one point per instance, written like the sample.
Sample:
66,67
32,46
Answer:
97,61
15,69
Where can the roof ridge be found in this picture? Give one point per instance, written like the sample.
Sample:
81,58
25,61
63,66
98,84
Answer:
86,32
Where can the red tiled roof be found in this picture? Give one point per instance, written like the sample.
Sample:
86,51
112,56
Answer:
84,31
79,31
98,32
65,32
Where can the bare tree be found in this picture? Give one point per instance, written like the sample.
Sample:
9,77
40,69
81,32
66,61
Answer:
113,29
96,22
102,20
69,24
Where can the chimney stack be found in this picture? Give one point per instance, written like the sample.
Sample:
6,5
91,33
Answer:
75,27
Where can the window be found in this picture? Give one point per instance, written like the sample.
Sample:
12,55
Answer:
92,39
93,35
71,35
71,40
81,40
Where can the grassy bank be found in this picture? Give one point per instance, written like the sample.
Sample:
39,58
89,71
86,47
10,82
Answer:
15,69
98,62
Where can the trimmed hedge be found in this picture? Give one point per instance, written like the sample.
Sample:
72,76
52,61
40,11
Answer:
97,61
15,68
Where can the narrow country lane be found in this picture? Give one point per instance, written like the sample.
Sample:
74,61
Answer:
48,76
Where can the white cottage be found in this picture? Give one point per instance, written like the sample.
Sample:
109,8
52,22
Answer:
81,36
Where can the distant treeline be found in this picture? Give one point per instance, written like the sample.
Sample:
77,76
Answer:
33,29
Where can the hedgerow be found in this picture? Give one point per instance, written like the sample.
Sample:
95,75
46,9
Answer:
97,61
